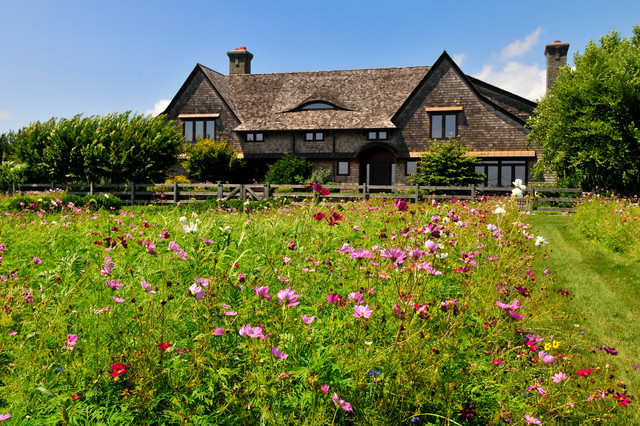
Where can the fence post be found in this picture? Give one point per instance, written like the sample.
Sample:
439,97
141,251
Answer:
13,187
53,186
133,193
417,195
265,191
473,191
91,189
220,194
532,198
243,192
364,190
176,193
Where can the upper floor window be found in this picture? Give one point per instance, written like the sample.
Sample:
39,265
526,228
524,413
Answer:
377,135
314,136
317,105
196,126
254,137
444,125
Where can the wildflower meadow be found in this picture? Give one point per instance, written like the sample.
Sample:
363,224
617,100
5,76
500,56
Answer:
368,312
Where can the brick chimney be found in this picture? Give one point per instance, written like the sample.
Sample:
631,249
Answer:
239,61
556,54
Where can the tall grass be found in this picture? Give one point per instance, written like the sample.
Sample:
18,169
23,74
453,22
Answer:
375,313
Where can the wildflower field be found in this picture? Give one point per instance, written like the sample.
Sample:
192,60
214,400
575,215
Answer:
370,312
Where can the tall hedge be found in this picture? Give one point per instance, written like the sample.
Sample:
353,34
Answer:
114,148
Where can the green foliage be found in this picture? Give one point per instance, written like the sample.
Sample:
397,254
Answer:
211,161
289,170
11,171
320,176
6,145
112,148
445,163
56,202
588,124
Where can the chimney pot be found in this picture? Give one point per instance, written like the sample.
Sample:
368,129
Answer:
556,54
239,61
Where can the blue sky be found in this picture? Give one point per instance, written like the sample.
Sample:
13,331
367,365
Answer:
62,58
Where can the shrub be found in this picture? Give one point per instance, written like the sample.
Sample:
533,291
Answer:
445,163
11,171
320,176
289,170
211,161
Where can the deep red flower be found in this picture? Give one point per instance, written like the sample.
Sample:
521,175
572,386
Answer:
75,396
118,369
319,216
585,372
622,399
164,346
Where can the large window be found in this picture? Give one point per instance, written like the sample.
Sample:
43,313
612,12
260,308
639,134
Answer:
443,125
343,168
194,129
412,167
503,172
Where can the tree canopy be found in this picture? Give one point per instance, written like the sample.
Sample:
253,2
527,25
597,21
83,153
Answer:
112,148
588,124
445,163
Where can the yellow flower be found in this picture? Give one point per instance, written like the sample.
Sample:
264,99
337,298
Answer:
556,344
547,346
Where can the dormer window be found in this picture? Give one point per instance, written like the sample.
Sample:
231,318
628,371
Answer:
316,106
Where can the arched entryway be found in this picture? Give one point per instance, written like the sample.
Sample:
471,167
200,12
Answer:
377,165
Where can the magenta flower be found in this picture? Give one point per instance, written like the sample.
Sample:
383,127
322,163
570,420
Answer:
113,284
72,339
288,297
558,377
401,205
107,268
197,291
319,216
341,403
307,320
262,291
394,255
218,331
100,311
530,420
361,254
356,297
241,277
4,417
276,353
318,189
36,260
147,287
360,311
548,359
324,388
118,299
538,388
12,333
253,332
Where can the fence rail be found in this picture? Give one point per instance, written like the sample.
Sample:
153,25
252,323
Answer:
173,193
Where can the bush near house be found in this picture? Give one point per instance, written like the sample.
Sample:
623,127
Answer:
445,163
289,170
211,161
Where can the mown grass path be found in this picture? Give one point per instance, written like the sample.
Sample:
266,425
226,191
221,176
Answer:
606,290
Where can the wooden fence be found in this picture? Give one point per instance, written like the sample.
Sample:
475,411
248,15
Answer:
148,193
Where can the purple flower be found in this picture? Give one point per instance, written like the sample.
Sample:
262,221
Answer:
360,311
276,353
36,260
218,331
107,268
341,403
548,359
262,291
114,284
197,291
431,246
147,287
253,332
288,297
307,320
118,299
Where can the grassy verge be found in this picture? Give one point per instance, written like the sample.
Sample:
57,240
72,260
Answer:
604,285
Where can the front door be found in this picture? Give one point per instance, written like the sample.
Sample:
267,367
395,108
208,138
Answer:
377,165
379,173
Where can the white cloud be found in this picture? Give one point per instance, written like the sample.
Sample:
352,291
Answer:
4,114
520,47
459,59
159,107
528,81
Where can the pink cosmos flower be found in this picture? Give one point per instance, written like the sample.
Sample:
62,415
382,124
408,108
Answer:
218,331
107,268
12,333
558,377
197,291
72,339
341,403
538,388
324,388
113,284
164,346
118,299
360,311
361,254
395,255
401,205
356,297
497,362
147,287
4,417
307,320
599,394
548,359
276,353
346,248
318,189
99,311
319,216
253,332
288,297
262,291
431,246
36,260
241,277
284,279
530,420
118,369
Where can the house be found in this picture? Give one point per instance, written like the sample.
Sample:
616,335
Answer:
363,125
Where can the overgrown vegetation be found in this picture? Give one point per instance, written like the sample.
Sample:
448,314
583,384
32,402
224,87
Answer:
289,170
211,161
358,313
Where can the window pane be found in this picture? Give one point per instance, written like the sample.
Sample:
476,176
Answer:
249,137
343,167
492,175
259,137
319,136
382,135
436,126
412,167
505,179
480,169
308,136
188,131
521,173
211,129
372,135
450,126
199,129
